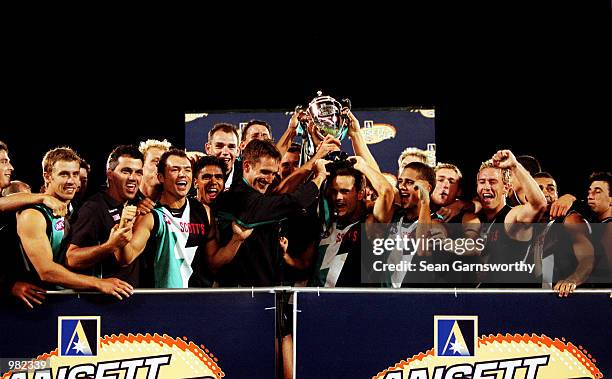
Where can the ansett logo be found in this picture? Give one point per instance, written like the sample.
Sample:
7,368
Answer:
78,336
82,353
374,133
455,336
458,352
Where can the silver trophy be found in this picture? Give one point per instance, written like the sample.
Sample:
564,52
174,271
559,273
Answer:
324,116
329,116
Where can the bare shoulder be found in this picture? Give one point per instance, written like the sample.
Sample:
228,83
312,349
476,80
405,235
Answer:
31,223
470,218
574,218
30,216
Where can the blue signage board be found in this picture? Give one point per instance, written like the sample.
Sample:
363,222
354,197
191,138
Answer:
387,132
181,334
409,335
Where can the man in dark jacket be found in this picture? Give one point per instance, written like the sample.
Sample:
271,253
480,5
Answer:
258,261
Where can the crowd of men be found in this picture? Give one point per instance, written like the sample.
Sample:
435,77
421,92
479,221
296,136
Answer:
244,212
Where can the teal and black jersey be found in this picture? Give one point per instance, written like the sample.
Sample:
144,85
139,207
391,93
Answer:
339,245
339,256
177,246
57,233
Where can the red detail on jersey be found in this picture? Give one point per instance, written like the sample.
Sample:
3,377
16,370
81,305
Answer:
351,235
494,235
193,228
59,225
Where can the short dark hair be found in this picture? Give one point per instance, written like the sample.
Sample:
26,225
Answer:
543,174
350,171
294,148
224,127
424,172
256,149
604,176
255,122
161,166
530,163
85,165
209,160
130,151
3,146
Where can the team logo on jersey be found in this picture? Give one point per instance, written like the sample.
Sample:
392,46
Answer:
458,352
59,225
455,336
167,220
78,336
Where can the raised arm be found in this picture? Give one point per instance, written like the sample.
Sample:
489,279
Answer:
258,208
31,228
360,147
383,206
285,141
536,202
293,181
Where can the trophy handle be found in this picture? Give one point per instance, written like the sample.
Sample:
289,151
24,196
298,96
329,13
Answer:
308,148
346,107
346,103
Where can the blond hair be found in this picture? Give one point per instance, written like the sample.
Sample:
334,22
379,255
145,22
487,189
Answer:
421,155
153,143
449,166
505,172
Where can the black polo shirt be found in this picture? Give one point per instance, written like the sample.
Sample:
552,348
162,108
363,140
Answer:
91,226
258,260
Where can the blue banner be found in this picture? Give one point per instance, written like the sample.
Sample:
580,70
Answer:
423,335
400,334
387,132
182,334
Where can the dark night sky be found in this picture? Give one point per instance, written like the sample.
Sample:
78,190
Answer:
545,94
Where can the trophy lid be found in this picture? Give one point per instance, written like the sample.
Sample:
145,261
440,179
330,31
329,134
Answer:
320,98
